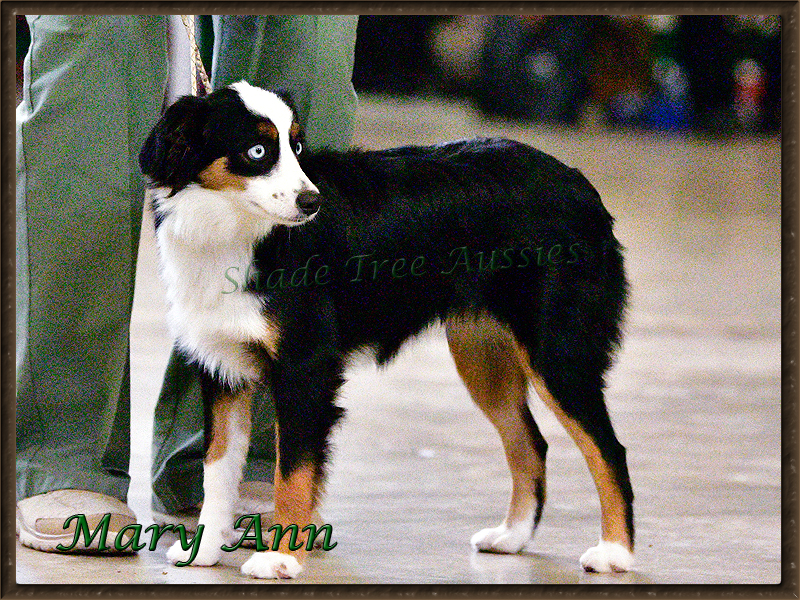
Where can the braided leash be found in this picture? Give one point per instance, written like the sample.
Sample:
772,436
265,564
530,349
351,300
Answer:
197,63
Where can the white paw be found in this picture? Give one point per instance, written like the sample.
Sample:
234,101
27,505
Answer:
272,565
607,557
506,540
208,554
176,553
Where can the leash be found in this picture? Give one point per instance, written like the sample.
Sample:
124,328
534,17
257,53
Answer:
198,70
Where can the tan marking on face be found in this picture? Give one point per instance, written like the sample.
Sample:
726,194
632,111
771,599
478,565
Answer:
294,130
217,177
484,354
268,129
228,411
272,336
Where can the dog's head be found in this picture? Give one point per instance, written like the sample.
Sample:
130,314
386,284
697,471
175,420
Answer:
241,142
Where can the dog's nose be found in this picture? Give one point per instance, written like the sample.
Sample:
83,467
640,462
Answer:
308,202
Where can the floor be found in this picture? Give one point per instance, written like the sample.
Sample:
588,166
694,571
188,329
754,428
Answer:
695,394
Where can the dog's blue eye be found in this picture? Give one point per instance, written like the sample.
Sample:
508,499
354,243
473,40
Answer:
257,152
298,148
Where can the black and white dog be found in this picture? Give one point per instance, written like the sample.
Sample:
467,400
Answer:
278,265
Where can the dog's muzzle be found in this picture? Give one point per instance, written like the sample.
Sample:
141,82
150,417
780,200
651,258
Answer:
308,202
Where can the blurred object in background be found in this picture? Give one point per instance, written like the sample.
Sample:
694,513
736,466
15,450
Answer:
621,64
716,74
705,49
535,67
733,68
456,46
669,105
749,89
550,68
392,55
757,72
713,74
547,68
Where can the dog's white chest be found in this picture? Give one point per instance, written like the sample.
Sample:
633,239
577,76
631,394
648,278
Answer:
212,318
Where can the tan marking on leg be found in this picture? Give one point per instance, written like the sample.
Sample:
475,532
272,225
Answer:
228,410
612,504
296,499
216,176
484,354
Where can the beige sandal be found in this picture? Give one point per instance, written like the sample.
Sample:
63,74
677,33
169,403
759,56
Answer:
40,522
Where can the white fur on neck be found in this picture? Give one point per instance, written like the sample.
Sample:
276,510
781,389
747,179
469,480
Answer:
201,239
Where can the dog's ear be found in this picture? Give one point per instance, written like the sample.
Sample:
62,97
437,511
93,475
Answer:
172,155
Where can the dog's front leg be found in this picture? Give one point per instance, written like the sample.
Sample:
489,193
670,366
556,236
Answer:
305,406
295,501
222,472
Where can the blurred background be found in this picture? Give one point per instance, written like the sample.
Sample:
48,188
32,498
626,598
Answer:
717,74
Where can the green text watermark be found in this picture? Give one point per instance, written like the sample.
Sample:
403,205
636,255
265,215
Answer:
363,268
130,536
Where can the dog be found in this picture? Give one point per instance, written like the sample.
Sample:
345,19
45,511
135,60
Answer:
280,263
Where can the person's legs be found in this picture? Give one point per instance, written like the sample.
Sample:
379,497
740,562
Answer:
309,56
312,57
93,84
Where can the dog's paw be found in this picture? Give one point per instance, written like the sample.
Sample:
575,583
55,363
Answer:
272,565
502,539
208,554
607,557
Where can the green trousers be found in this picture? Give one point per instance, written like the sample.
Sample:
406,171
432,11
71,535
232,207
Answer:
94,86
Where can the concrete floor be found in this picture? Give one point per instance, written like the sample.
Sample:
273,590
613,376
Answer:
695,395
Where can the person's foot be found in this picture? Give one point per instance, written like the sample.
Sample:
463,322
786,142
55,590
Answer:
40,522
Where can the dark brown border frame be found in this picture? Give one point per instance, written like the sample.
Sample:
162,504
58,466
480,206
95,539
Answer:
788,588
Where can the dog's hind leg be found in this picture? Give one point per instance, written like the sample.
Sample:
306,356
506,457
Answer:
222,471
576,397
486,359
